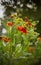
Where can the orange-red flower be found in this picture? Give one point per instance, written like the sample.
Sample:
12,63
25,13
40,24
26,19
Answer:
39,38
31,49
10,23
25,19
11,16
22,29
29,24
0,38
6,39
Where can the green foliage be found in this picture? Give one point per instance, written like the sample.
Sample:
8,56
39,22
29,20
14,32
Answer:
20,44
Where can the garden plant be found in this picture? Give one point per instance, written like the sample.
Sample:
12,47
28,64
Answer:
19,43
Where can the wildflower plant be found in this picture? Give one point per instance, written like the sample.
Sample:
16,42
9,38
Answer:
20,40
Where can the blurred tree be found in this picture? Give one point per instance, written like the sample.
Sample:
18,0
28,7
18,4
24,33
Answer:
11,5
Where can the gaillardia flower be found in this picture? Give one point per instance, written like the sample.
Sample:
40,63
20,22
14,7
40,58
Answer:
39,38
25,19
22,29
9,23
29,24
0,38
11,16
31,49
6,39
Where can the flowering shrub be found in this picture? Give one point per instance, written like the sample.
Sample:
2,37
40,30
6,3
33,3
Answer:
19,40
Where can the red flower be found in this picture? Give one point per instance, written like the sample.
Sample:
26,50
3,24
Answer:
11,16
9,23
39,38
31,49
6,39
22,29
0,38
29,24
26,19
